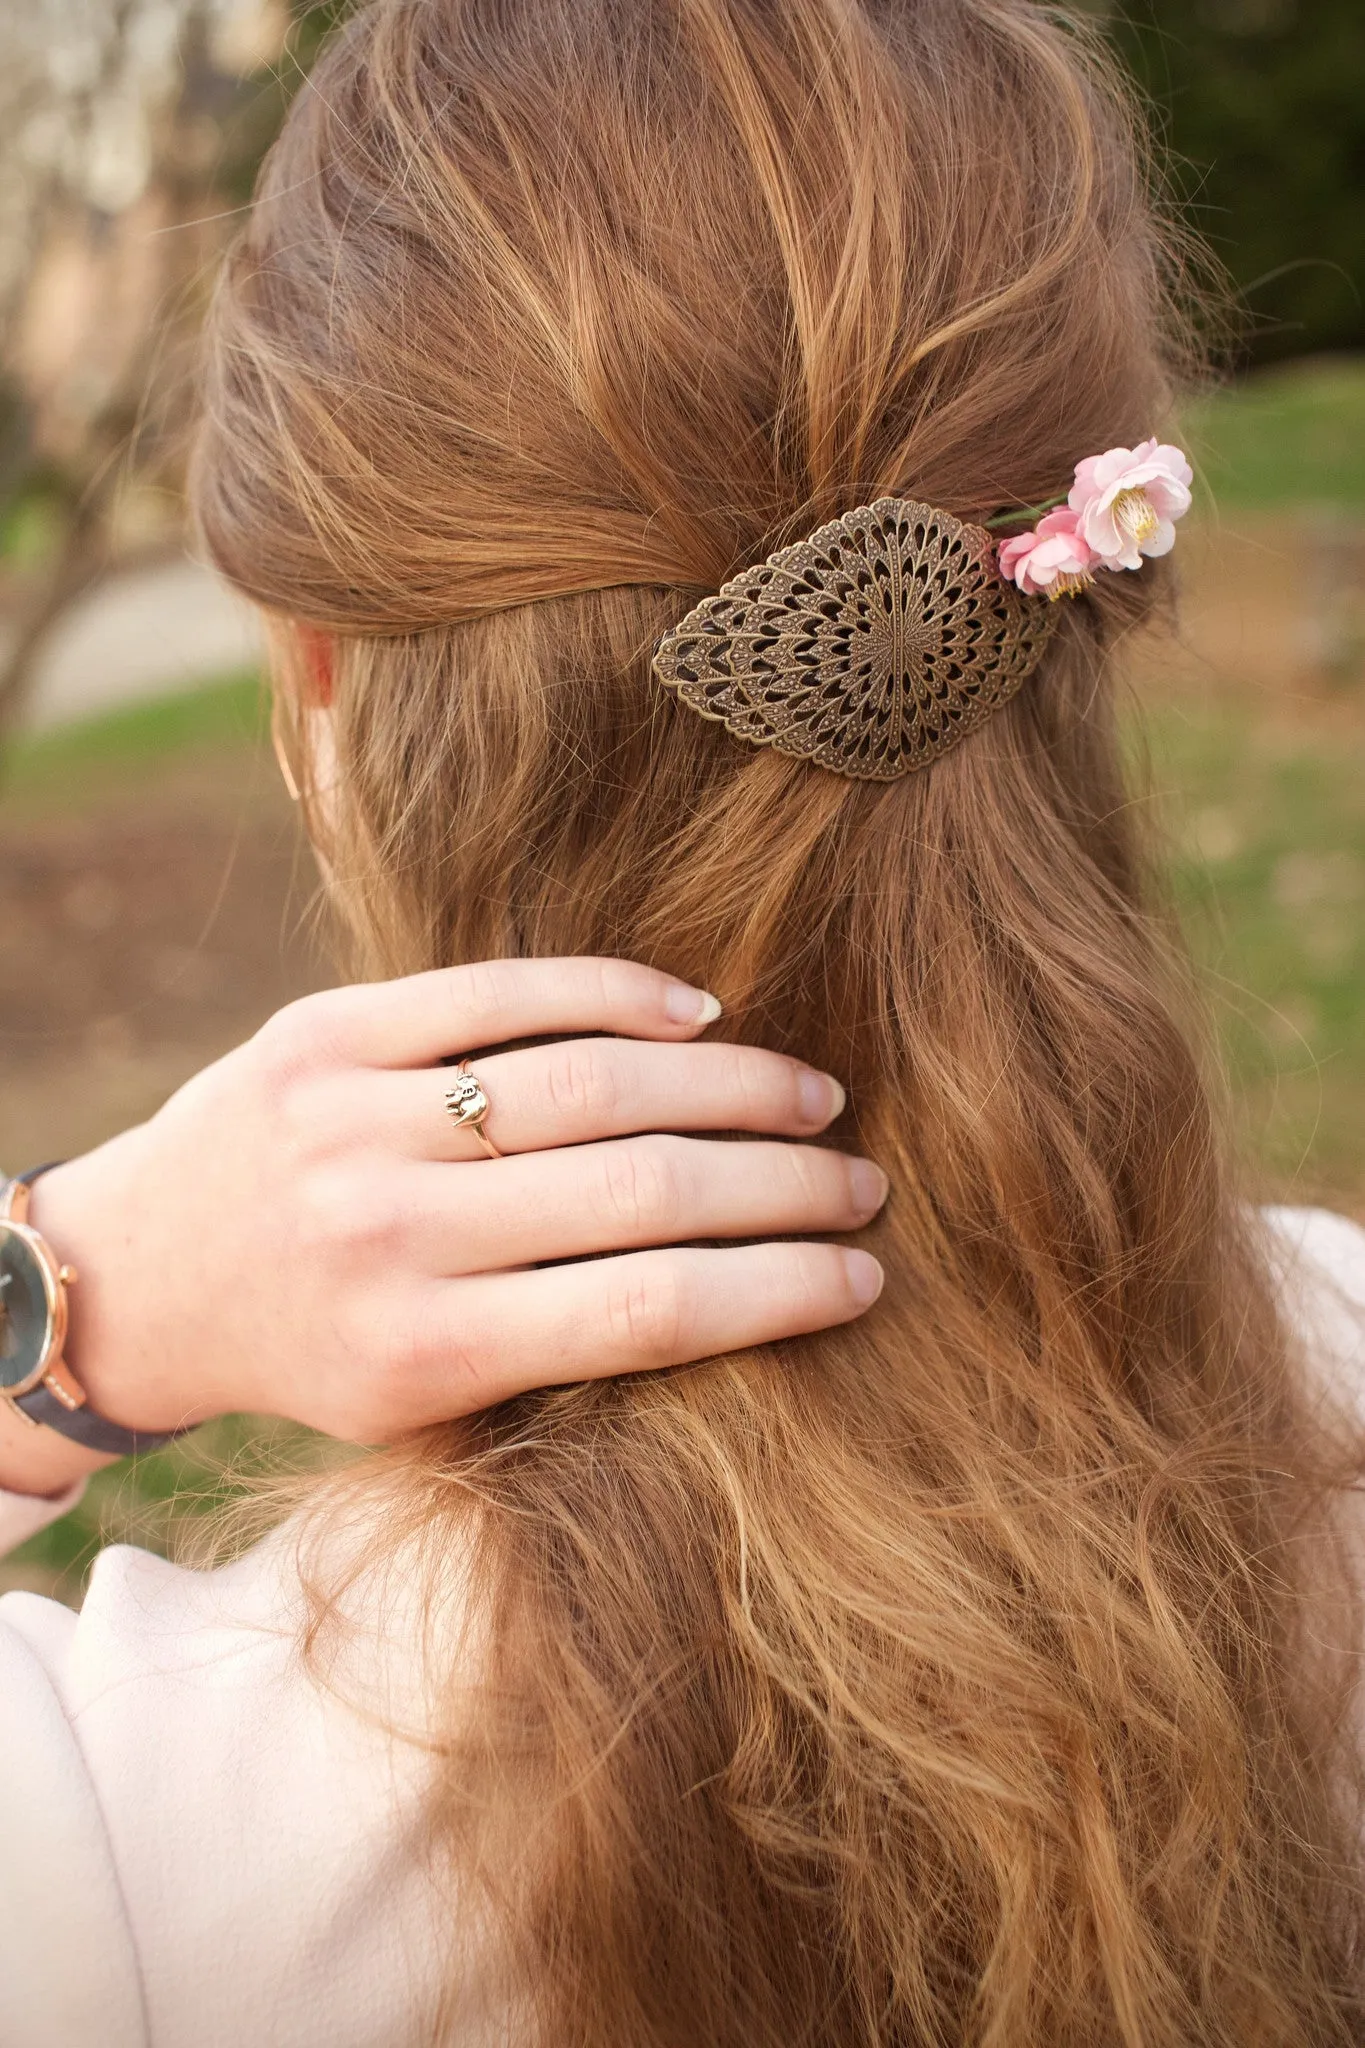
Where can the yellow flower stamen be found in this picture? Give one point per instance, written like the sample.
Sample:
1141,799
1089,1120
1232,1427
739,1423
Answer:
1069,586
1134,516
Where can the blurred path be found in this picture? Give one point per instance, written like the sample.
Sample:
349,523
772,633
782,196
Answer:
138,636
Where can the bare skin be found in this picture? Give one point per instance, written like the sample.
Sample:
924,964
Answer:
302,1231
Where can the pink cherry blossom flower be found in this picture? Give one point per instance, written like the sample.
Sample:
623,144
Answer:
1053,561
1128,500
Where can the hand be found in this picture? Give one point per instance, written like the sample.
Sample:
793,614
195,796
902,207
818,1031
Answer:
302,1231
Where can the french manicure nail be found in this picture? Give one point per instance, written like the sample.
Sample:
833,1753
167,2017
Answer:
869,1185
820,1097
684,1005
865,1277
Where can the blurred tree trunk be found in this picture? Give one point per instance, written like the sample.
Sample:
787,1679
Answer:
107,430
93,81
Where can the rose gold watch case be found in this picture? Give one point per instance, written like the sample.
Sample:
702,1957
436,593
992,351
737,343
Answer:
54,1289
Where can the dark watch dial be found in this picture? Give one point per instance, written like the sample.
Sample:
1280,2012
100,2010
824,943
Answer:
25,1309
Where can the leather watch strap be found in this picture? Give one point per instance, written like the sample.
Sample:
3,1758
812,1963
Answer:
81,1425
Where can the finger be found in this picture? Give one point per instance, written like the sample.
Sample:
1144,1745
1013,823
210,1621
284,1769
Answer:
632,1192
587,1088
495,1336
424,1018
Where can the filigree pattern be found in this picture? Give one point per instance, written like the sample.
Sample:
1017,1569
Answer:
870,649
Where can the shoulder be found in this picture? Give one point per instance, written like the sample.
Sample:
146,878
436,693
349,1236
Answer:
68,1958
1318,1260
252,1822
1320,1241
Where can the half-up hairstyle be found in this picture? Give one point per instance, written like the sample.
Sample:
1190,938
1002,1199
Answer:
950,1678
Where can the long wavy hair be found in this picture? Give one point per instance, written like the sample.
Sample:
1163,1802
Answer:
951,1677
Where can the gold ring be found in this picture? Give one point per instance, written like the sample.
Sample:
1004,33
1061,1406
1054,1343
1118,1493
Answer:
467,1106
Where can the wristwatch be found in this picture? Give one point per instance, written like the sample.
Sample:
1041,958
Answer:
34,1378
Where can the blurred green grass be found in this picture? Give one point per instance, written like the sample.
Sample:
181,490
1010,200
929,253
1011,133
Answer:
56,768
1292,436
1266,807
1267,823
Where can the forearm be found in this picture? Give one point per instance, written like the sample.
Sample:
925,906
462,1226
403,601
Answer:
23,1514
37,1461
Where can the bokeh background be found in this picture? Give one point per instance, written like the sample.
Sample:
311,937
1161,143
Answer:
156,903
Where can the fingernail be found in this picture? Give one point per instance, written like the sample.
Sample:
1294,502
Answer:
684,1005
865,1277
869,1185
819,1096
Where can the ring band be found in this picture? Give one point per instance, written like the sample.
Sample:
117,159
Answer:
467,1106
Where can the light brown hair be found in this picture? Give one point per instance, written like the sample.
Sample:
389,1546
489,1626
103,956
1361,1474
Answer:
946,1678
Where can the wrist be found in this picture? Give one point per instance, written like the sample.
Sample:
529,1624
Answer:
89,1213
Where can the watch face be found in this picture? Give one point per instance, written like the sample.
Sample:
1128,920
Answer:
25,1312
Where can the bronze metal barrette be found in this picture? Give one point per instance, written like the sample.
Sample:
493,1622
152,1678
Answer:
870,649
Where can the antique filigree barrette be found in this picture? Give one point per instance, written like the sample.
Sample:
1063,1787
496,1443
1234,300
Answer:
874,646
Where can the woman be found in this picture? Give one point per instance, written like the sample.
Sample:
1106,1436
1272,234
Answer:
976,1670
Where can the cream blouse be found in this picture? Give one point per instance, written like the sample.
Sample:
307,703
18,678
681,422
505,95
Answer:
202,1845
